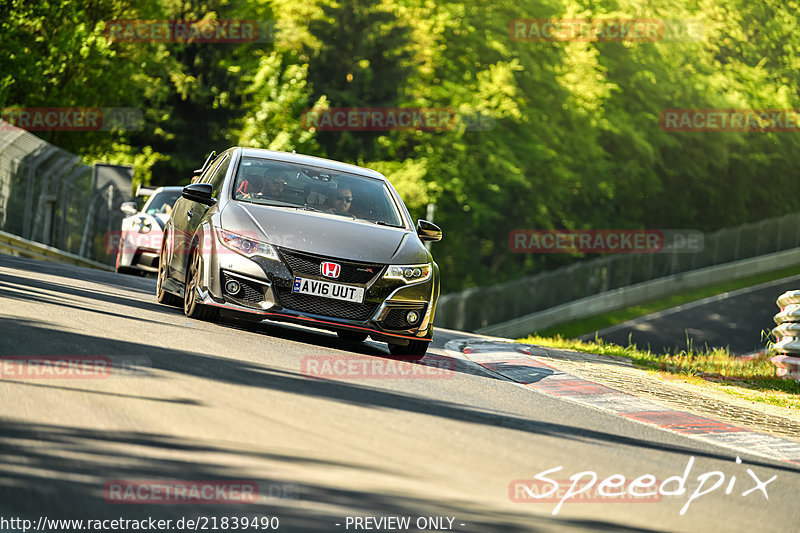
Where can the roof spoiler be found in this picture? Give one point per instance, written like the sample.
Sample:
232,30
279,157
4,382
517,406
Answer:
196,174
145,191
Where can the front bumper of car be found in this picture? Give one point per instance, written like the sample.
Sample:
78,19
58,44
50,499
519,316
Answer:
139,250
265,292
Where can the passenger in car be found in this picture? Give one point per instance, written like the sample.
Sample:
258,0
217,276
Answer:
268,187
250,182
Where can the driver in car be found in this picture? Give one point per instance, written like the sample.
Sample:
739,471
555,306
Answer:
339,201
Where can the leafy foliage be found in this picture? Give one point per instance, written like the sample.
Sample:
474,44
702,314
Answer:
572,137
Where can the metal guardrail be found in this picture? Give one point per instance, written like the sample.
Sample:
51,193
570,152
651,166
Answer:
49,196
11,244
787,335
641,293
474,309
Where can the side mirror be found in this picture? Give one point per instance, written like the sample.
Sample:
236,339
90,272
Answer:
199,192
428,231
129,208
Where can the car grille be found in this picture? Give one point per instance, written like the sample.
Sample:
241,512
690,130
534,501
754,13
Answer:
396,318
352,272
305,303
250,292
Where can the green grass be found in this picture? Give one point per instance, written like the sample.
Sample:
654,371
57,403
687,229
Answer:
605,320
752,379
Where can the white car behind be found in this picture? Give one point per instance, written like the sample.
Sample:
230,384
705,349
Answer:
142,231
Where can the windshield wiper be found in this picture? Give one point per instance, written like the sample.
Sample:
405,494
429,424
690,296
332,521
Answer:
383,223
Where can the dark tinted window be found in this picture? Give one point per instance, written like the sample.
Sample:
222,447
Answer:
217,175
162,202
344,194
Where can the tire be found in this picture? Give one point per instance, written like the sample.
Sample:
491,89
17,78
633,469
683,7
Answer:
352,336
191,308
162,296
415,350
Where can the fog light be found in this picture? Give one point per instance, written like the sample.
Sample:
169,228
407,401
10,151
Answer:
412,317
233,287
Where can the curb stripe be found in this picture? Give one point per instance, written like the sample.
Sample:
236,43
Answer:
504,359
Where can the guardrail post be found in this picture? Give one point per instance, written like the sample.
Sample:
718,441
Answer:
65,194
89,215
787,336
40,221
38,160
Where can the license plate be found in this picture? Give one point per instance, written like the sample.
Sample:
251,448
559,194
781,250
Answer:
326,289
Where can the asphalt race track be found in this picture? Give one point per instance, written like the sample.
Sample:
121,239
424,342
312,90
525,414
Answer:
239,407
735,319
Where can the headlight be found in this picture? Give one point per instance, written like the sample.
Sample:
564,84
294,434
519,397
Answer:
247,247
409,273
143,224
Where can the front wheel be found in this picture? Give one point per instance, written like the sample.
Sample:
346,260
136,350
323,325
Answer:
414,351
191,307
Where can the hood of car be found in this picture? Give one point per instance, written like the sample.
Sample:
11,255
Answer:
323,234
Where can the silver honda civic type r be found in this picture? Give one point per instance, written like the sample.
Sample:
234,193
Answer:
289,237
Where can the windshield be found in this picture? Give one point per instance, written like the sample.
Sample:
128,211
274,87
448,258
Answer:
161,202
267,182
